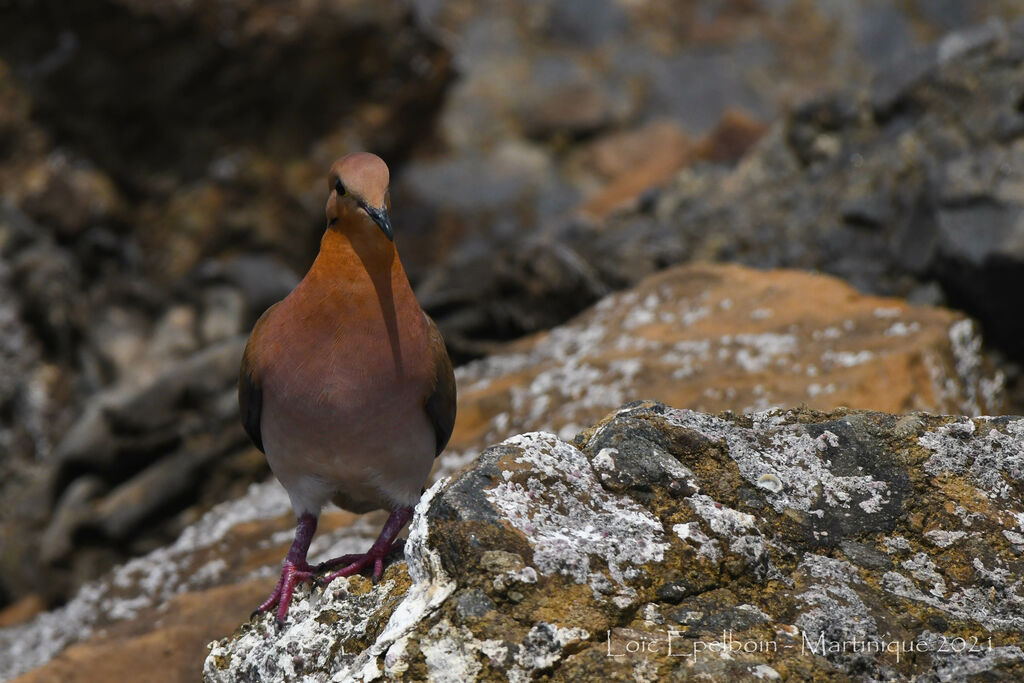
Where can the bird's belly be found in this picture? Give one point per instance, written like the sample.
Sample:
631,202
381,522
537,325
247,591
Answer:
366,447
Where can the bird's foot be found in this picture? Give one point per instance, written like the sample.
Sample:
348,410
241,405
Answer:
291,575
354,564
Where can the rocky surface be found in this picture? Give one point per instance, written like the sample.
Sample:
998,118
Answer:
907,187
805,544
161,183
883,118
722,320
720,338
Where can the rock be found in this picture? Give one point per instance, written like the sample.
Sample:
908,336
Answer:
734,134
261,279
627,347
728,338
182,134
165,606
633,163
22,610
890,189
543,80
893,184
224,314
137,458
88,196
565,98
534,560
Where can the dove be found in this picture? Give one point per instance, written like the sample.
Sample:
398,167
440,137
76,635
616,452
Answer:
346,384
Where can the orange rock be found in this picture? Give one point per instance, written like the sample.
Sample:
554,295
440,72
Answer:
634,162
22,610
735,133
160,645
725,337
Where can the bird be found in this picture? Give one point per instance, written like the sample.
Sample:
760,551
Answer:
346,384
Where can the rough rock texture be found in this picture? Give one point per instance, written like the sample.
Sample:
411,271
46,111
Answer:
749,328
717,337
805,544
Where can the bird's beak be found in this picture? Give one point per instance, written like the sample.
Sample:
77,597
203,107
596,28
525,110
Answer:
380,217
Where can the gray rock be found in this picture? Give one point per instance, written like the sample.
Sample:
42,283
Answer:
527,563
224,314
587,23
262,279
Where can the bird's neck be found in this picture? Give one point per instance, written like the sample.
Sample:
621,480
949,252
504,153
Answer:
357,276
356,259
346,248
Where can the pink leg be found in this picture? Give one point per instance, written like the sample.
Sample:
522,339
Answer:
384,544
295,569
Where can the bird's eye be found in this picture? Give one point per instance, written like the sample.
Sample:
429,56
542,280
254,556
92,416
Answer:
339,188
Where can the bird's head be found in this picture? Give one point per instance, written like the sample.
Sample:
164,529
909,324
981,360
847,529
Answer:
358,186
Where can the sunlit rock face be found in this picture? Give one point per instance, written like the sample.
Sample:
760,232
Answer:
803,544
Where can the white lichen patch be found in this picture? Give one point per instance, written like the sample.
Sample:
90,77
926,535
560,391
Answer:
902,329
568,517
991,459
969,386
846,359
835,609
756,352
311,641
943,538
923,569
605,459
765,672
543,646
722,520
452,653
706,546
791,455
524,575
997,607
959,659
895,544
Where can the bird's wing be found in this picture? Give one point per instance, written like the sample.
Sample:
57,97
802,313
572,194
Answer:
440,405
250,384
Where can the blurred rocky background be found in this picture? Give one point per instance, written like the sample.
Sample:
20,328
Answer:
161,183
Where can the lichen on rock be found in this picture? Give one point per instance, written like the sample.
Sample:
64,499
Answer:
653,531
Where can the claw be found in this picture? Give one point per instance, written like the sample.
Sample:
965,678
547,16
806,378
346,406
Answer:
295,569
382,548
291,575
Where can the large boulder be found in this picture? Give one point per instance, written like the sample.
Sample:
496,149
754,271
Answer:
664,542
720,337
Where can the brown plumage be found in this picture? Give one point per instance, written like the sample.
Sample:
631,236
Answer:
346,385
